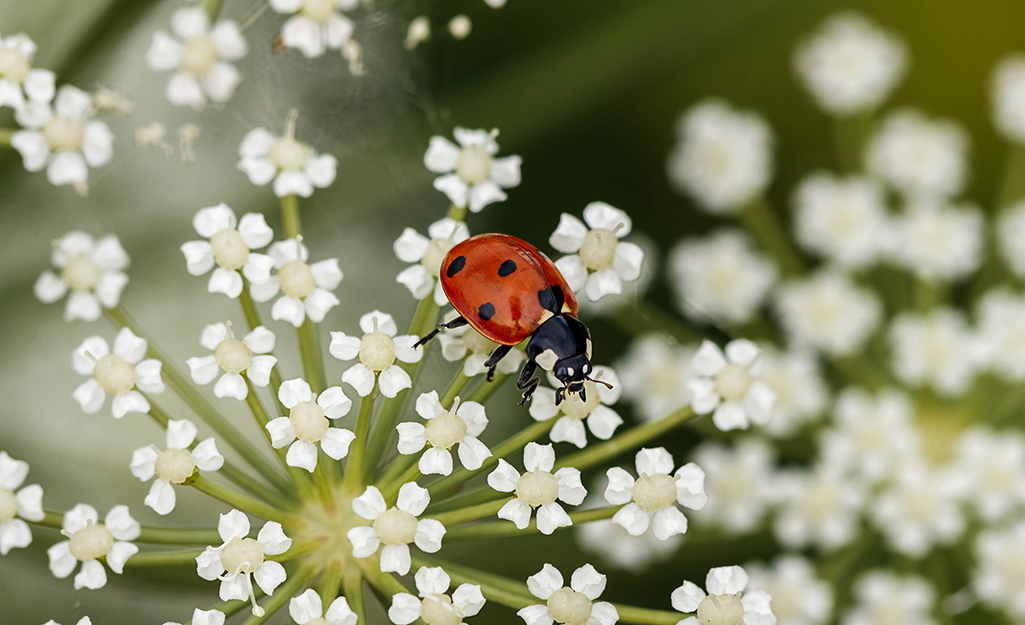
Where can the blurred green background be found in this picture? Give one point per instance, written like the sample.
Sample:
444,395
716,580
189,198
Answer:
586,91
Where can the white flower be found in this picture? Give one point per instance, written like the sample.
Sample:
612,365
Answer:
820,506
394,527
720,277
1010,232
568,604
197,55
990,465
472,174
723,156
308,608
601,420
726,601
882,597
598,262
85,620
651,499
92,270
919,157
17,507
229,248
799,597
919,509
89,540
1008,85
870,434
937,349
119,372
294,167
538,488
428,253
843,220
435,607
1001,319
377,351
998,576
728,384
469,344
461,425
315,25
850,65
231,358
306,289
654,372
18,80
175,464
240,557
619,549
828,312
939,242
307,424
737,481
63,139
801,392
203,617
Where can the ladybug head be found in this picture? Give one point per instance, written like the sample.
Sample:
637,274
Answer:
572,372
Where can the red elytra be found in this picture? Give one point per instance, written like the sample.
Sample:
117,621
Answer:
504,287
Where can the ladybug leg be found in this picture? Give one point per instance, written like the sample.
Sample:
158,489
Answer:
496,356
458,322
528,381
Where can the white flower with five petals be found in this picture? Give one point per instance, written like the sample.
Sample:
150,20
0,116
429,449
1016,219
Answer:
307,424
17,507
315,25
229,249
197,55
63,139
119,372
412,247
377,351
306,289
726,601
595,411
568,604
92,270
598,262
394,527
240,557
89,540
231,358
651,499
308,608
472,174
18,80
175,464
435,606
203,617
293,166
728,384
460,425
538,488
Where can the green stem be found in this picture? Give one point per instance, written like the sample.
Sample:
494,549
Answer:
290,217
390,488
50,519
163,558
252,316
354,466
455,387
5,137
171,536
625,441
212,8
494,587
471,513
119,317
283,594
456,213
479,496
645,616
486,389
850,132
313,361
298,476
517,441
329,583
1012,183
239,500
352,586
503,528
762,221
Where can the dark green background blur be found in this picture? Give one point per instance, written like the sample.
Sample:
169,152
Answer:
585,90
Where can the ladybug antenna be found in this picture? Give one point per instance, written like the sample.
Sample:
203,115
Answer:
597,381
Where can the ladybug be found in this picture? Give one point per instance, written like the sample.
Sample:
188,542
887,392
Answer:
508,290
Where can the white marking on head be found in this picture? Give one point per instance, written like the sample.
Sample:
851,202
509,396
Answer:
547,359
569,371
587,350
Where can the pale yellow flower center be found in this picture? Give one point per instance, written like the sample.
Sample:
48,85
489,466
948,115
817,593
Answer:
538,488
198,56
474,164
653,492
575,408
63,134
229,250
81,273
175,465
445,430
318,10
569,606
14,66
721,610
308,421
242,555
437,249
438,610
296,279
288,154
733,382
377,351
8,505
477,343
233,355
91,542
598,249
395,527
115,374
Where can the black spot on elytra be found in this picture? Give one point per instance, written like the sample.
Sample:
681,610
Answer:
486,311
456,266
506,268
552,298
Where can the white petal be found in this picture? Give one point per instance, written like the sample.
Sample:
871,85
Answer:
109,288
412,438
30,503
72,102
190,22
90,396
602,283
334,402
360,378
203,369
220,81
289,309
327,273
429,533
269,576
627,261
603,422
620,487
206,455
601,215
633,519
304,34
517,512
436,461
538,457
208,564
161,497
260,170
506,171
14,534
338,31
121,524
319,303
394,379
49,288
40,85
428,405
12,472
573,269
255,231
504,477
256,143
452,186
92,576
413,498
97,143
225,281
199,257
339,613
302,454
292,183
418,280
668,522
588,581
570,430
344,347
405,608
81,361
441,157
652,461
336,442
370,504
545,582
569,236
234,524
690,486
404,349
484,193
395,559
473,453
432,580
67,168
411,246
730,416
469,599
306,607
234,587
231,385
264,291
742,352
183,90
213,219
281,432
364,541
551,517
33,148
228,40
129,346
726,580
709,359
320,170
687,597
532,614
272,538
62,563
604,613
571,490
181,433
147,376
132,401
